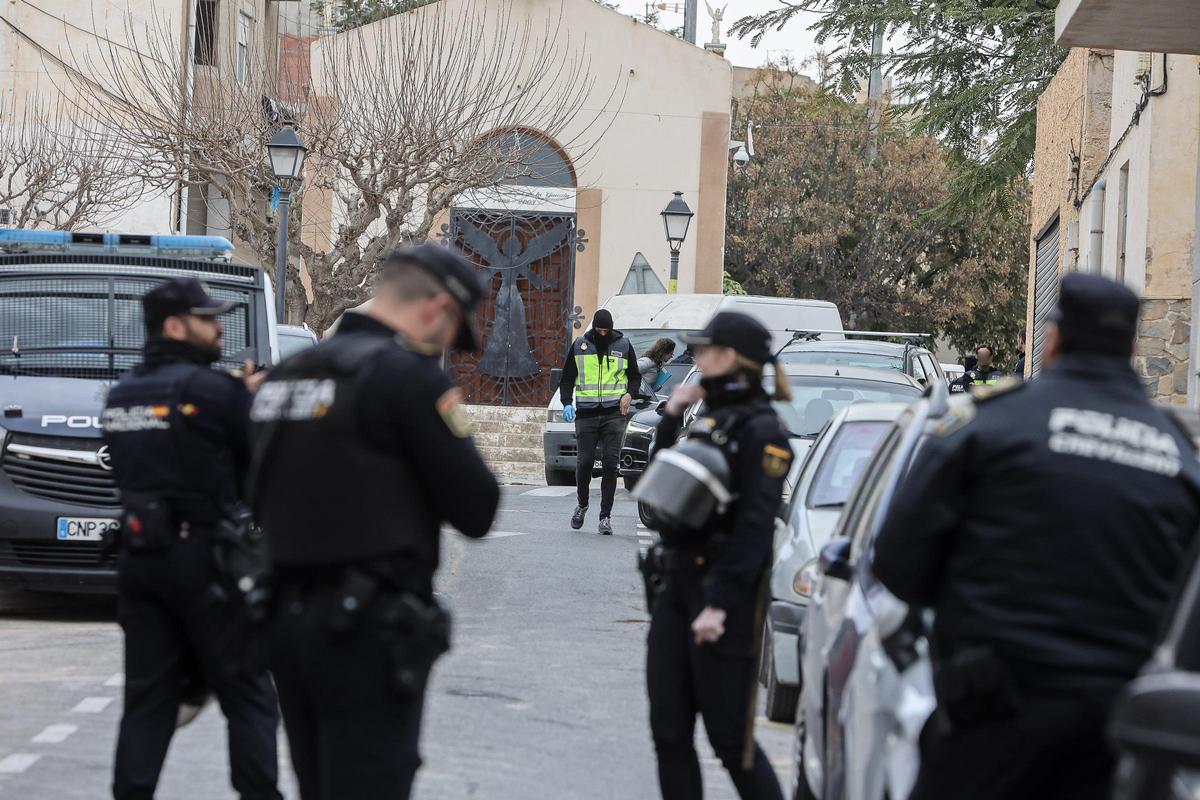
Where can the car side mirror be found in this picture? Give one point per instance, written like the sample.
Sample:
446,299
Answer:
835,559
1158,717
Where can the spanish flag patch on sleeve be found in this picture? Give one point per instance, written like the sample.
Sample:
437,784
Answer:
776,460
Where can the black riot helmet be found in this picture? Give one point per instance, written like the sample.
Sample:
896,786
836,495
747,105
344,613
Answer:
686,485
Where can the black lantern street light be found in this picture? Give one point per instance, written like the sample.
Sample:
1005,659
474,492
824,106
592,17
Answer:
676,219
287,160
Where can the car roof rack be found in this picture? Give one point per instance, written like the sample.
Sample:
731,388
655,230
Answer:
811,335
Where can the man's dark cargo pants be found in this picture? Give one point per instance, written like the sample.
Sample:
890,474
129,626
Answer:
603,432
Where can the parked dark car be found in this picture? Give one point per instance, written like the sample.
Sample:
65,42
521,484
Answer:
911,358
639,432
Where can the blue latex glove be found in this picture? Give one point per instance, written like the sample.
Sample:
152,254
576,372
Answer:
569,412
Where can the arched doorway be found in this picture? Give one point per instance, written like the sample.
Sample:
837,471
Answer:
522,236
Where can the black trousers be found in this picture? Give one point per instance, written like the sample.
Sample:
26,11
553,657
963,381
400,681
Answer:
713,680
170,623
1053,748
351,734
605,433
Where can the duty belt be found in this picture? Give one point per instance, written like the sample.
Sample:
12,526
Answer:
676,559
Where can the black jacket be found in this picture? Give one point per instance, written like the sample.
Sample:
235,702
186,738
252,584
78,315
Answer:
739,543
179,430
1093,498
570,373
405,409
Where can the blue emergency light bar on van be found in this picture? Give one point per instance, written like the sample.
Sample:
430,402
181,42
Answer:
203,248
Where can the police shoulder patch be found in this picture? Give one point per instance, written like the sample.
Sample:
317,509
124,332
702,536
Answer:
989,391
776,460
960,413
449,408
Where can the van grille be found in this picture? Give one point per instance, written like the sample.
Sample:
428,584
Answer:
52,553
64,481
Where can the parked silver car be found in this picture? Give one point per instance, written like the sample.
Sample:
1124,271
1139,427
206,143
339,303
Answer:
834,465
866,680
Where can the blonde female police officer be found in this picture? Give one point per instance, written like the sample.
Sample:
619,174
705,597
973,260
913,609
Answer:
701,645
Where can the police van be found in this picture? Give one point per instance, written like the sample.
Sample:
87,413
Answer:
70,326
644,318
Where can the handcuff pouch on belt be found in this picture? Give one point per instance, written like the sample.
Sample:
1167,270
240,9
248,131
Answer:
659,560
147,525
416,630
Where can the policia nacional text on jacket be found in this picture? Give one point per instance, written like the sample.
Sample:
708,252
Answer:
178,433
1051,601
361,453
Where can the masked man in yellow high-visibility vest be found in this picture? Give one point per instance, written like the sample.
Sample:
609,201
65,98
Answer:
599,380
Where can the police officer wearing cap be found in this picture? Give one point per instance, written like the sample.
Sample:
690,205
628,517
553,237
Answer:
361,453
178,435
1048,605
704,629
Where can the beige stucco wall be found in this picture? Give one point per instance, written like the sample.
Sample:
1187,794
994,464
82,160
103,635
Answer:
85,35
1073,117
1158,150
666,130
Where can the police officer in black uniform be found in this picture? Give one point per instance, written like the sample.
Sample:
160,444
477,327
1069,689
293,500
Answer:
702,644
984,372
178,434
1049,603
361,453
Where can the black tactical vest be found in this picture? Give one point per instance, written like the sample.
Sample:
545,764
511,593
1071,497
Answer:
154,451
322,493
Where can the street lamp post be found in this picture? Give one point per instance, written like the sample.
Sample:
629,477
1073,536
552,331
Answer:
287,160
676,219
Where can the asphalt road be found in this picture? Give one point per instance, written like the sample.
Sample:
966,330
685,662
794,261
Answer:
543,695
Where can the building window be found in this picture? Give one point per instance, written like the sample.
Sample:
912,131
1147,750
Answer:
243,47
205,48
1122,221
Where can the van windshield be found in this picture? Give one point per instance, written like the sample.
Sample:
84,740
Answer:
90,326
680,364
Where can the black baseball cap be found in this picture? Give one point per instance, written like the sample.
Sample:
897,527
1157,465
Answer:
1096,314
743,333
176,298
459,276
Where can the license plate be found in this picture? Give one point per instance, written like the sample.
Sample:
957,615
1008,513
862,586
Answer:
85,529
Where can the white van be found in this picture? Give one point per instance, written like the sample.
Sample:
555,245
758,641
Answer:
644,318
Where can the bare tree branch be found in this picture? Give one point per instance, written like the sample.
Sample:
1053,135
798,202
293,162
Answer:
403,116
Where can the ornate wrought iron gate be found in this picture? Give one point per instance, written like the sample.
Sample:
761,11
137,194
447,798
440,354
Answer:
530,259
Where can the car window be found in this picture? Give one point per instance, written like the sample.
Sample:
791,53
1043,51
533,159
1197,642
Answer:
815,400
840,358
856,504
845,460
931,367
918,369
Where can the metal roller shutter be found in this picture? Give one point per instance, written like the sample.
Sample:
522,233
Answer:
1045,289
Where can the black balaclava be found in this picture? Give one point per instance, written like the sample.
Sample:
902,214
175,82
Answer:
602,319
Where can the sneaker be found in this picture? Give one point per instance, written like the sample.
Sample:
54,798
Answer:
577,517
606,526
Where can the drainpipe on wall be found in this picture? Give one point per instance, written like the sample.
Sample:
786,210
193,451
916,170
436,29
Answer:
1095,260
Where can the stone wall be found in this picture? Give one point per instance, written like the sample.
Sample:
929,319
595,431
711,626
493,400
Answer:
1162,348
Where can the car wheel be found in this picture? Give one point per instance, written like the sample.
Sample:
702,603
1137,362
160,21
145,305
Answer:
558,477
781,700
645,516
630,482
